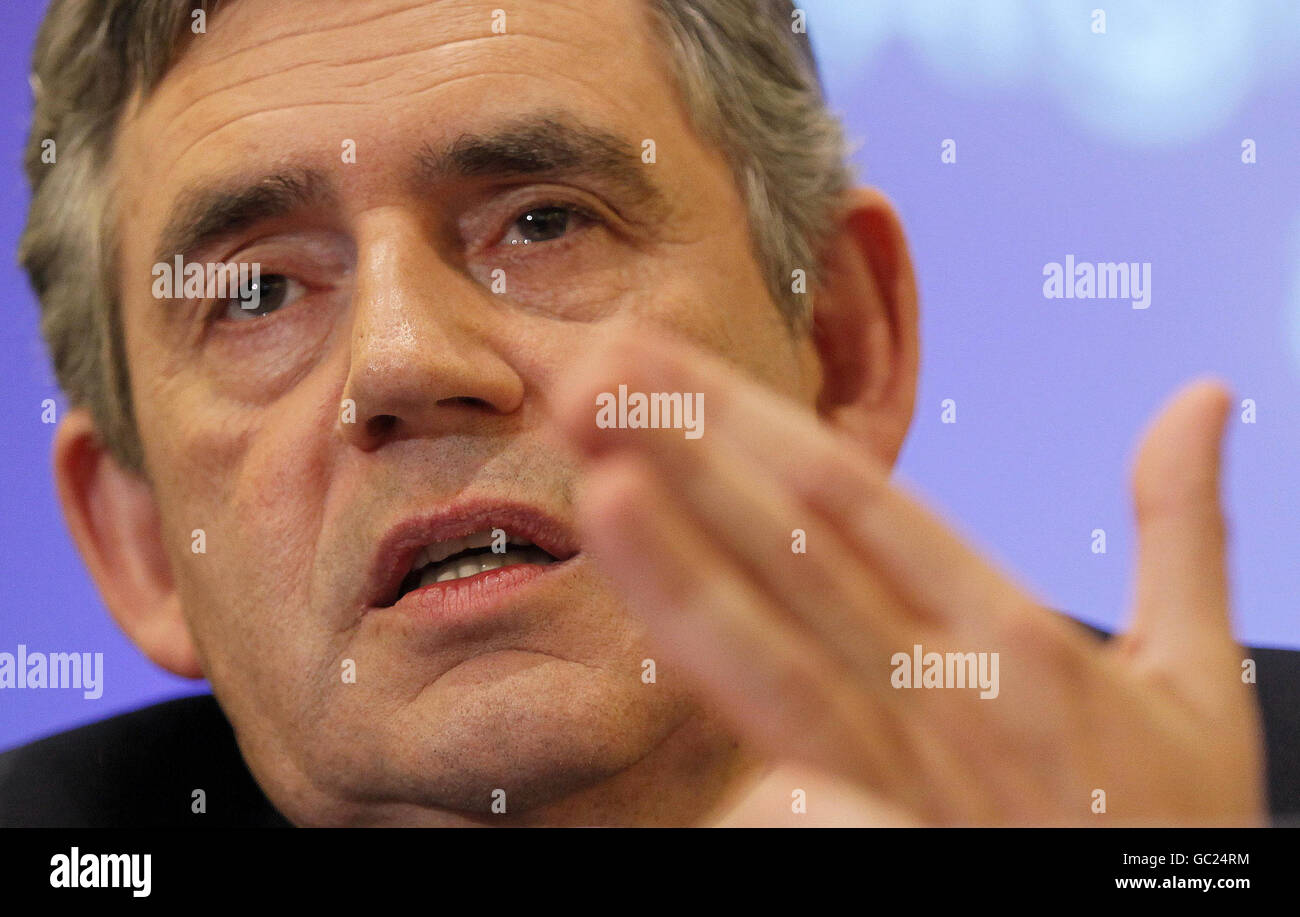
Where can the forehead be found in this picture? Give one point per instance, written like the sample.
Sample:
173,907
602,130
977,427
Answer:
276,83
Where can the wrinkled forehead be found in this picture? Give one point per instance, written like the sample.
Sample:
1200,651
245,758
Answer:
293,83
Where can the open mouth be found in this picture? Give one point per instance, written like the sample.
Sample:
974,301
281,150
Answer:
430,553
459,558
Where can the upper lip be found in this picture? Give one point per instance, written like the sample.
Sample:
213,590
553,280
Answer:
397,549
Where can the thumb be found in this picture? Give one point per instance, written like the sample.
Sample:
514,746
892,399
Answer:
1182,589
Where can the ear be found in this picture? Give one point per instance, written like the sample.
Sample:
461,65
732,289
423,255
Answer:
115,524
865,327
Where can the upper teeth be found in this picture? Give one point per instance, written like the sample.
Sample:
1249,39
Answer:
441,550
434,554
469,566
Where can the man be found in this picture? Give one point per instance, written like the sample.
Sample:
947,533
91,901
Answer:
396,500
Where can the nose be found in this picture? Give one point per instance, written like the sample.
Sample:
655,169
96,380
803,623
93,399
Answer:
422,362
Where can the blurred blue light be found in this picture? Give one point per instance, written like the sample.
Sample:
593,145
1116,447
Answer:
1162,74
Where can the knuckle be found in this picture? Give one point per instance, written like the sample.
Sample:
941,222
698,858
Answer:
1033,634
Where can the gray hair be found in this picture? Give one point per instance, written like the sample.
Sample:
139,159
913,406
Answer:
748,78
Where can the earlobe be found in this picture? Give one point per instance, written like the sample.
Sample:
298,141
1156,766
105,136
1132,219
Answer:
865,326
113,518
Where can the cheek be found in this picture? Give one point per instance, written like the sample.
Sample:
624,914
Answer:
721,303
242,491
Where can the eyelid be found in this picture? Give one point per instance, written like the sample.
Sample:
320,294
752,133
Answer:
328,250
314,267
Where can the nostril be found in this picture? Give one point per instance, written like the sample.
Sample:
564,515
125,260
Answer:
465,401
380,425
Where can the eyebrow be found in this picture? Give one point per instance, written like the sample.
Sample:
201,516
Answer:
202,215
550,145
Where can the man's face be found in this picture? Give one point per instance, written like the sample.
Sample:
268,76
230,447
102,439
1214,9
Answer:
475,152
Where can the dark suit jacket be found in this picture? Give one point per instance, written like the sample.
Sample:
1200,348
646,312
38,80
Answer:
140,769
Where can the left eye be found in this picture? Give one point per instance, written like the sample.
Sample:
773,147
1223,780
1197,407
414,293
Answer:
541,224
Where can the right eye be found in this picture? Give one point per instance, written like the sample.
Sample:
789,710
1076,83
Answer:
271,292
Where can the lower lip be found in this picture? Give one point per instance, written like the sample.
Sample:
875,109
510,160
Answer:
477,596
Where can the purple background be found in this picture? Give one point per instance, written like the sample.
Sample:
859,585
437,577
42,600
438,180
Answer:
1117,147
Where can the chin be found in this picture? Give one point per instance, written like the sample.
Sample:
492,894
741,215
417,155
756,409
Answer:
540,733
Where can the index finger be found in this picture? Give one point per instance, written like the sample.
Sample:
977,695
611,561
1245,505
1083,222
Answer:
930,565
